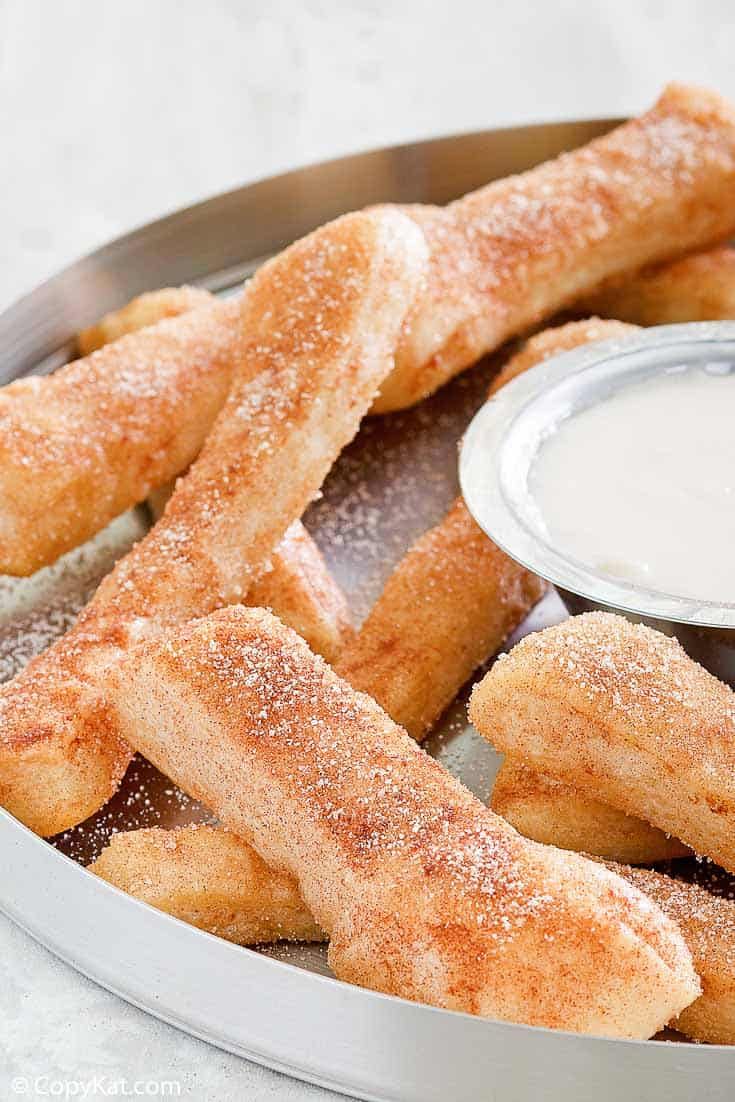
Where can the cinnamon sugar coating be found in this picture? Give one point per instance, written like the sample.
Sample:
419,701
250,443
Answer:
558,814
518,250
707,924
424,892
449,604
322,321
208,877
81,446
296,583
144,310
621,713
700,287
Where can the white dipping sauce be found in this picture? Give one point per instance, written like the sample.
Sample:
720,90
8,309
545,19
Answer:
642,485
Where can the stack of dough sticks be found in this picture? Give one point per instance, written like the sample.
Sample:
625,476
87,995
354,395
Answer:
163,868
544,806
84,444
209,877
352,309
423,891
320,324
624,719
620,713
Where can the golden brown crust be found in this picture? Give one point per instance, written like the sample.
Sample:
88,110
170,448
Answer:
424,892
146,309
450,603
208,877
557,814
553,341
621,713
707,923
516,251
80,446
297,586
502,259
322,321
696,288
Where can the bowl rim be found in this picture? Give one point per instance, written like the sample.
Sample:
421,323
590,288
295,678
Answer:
503,438
377,1046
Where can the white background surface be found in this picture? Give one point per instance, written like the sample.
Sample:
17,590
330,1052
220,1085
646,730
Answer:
113,113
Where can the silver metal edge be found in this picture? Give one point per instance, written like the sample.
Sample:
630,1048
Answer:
361,1043
319,1029
484,449
199,244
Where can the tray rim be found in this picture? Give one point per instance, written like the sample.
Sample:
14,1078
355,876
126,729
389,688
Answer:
512,1044
140,925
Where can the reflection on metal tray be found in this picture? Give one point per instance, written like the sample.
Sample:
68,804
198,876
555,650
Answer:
277,1005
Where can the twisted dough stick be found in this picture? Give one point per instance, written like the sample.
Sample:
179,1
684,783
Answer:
81,446
210,878
140,312
423,891
322,321
518,250
622,714
550,811
297,584
696,288
449,604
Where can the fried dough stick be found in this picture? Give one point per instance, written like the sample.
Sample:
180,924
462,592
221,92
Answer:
520,249
142,311
696,288
323,319
297,584
82,445
450,603
550,811
208,877
623,715
423,891
707,924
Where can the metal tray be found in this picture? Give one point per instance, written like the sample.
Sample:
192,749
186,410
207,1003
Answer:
280,1006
